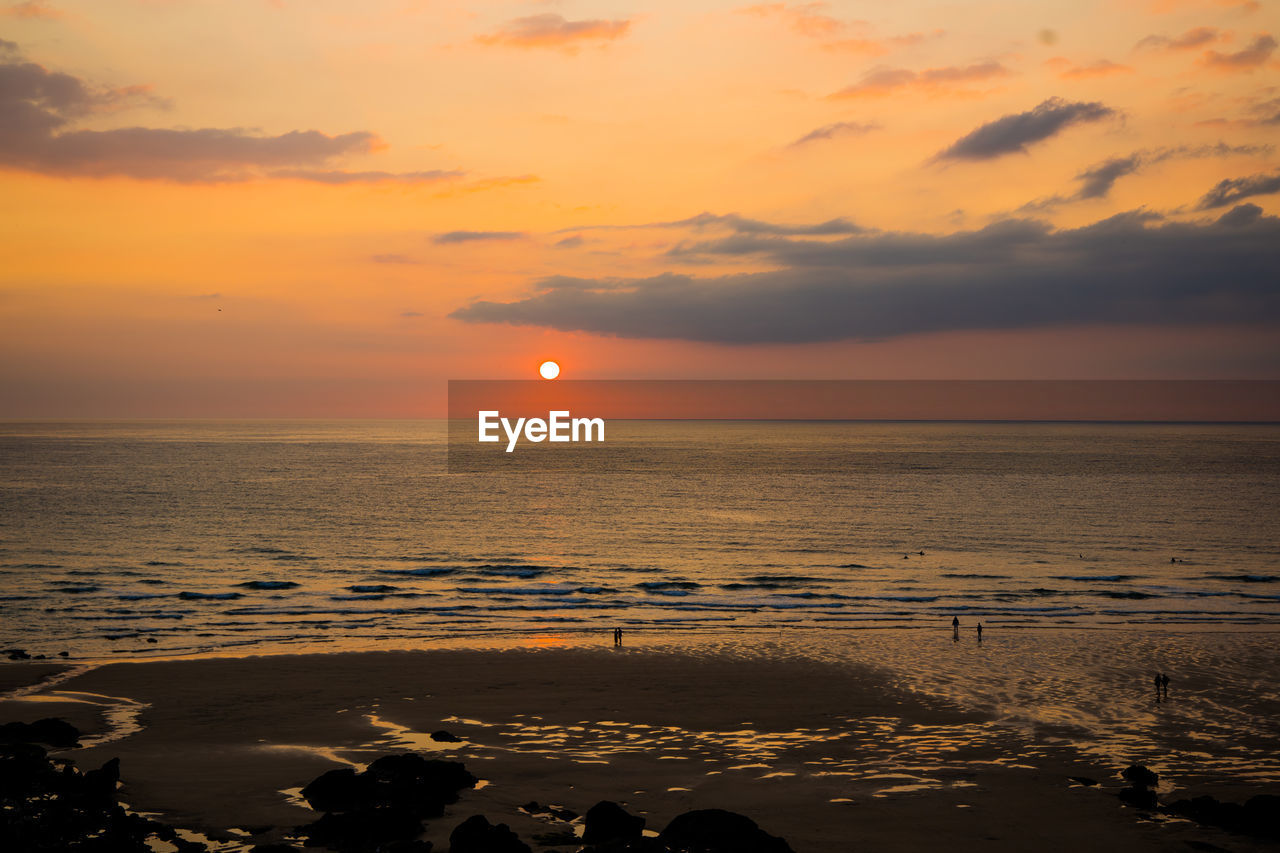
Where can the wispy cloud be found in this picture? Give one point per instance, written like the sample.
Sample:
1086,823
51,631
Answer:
886,81
1248,59
554,31
831,131
1096,181
39,111
30,9
1233,190
451,237
1067,70
1192,39
1013,133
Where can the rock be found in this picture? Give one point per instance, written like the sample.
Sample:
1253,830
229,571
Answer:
50,730
1083,780
1139,798
607,820
1262,815
337,790
443,736
383,807
1140,777
719,831
50,807
477,835
408,780
64,654
100,784
17,654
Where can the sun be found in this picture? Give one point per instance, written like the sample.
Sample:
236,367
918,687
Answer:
549,370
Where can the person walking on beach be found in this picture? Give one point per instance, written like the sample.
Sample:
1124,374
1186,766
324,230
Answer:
979,632
617,636
1164,682
1158,682
955,628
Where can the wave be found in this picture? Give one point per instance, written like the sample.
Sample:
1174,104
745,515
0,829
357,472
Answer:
1103,578
269,584
373,587
1245,578
217,596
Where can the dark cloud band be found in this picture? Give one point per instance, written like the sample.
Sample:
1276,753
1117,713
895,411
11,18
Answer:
1014,274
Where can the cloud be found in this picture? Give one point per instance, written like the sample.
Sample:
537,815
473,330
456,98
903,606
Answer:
572,242
806,19
830,131
550,30
450,237
812,20
739,225
885,81
392,259
1014,274
332,176
411,314
39,109
1097,180
1253,56
1190,40
1100,68
31,9
1013,133
1233,190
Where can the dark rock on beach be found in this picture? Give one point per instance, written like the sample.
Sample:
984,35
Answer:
1139,798
409,781
383,807
51,730
49,806
1259,815
443,736
719,831
607,820
1140,777
477,835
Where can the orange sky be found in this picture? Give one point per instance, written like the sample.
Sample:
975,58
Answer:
257,208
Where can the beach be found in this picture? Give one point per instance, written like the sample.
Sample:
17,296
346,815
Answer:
826,751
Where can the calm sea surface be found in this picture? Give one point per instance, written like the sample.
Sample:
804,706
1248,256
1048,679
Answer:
270,536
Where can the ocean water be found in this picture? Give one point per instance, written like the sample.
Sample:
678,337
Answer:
145,538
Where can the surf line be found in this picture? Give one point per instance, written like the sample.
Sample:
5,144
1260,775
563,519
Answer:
559,426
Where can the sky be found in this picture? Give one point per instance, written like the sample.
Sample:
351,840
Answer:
315,208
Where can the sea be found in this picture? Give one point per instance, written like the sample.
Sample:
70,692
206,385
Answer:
145,538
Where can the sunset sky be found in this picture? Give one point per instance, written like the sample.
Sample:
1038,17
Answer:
319,208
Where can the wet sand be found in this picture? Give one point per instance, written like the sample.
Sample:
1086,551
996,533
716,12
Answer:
828,756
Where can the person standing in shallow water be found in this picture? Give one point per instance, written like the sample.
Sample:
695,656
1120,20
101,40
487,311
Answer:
955,628
1158,683
1164,682
979,632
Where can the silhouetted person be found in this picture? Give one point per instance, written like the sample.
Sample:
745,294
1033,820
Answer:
955,628
1164,682
979,632
617,636
1158,683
